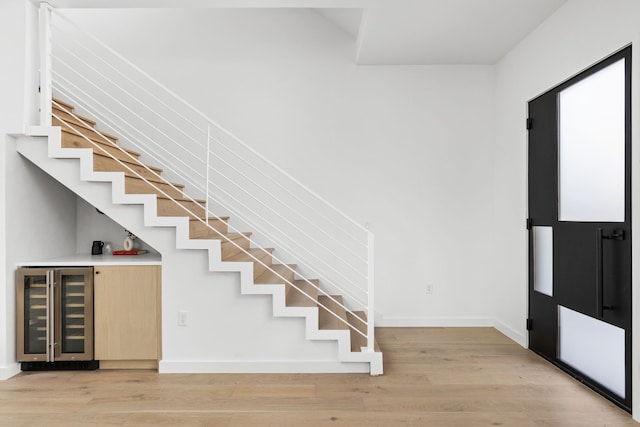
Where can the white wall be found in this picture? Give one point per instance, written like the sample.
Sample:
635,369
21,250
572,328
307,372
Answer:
12,48
36,213
402,148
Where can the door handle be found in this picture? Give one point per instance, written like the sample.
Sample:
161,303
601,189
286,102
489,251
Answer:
618,234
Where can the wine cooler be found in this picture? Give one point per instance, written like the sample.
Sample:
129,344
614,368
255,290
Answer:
54,315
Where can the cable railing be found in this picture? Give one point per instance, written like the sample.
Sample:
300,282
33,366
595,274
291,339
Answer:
223,174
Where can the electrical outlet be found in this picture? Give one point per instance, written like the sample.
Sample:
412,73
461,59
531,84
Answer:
182,318
429,290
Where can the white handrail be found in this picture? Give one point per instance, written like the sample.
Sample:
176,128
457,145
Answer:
279,184
140,86
168,196
334,255
213,122
70,94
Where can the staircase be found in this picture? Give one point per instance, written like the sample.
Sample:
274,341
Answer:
165,204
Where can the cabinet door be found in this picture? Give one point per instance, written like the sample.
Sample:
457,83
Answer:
33,314
127,312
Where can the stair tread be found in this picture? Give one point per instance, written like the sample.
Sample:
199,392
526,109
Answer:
295,298
64,103
102,142
327,320
70,111
78,124
211,218
180,199
229,236
129,175
153,168
272,275
237,235
245,257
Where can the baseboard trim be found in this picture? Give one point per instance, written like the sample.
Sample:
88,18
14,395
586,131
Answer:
511,333
9,371
261,367
434,322
453,322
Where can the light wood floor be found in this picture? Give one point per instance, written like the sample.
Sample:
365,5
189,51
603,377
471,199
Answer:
433,377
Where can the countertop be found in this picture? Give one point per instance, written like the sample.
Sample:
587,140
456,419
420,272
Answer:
87,260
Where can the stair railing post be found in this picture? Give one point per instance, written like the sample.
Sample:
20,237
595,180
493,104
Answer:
45,64
208,165
370,293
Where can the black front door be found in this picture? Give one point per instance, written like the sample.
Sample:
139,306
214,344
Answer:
580,226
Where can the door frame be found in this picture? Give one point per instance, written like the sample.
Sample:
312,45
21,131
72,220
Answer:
635,205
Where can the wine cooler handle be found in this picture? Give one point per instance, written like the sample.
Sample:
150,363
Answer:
48,316
52,329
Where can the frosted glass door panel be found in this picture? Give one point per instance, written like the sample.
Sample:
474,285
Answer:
591,147
593,347
543,260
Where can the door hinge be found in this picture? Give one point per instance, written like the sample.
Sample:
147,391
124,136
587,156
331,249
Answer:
529,222
529,123
529,324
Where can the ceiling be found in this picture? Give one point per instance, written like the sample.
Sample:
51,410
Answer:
399,32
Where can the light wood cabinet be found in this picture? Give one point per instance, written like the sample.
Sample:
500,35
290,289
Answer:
127,316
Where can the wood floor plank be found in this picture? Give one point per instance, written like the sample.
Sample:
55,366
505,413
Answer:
433,377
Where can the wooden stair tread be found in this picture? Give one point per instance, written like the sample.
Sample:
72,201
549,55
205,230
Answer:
179,207
69,111
327,320
248,257
209,229
130,161
129,175
65,104
272,276
235,243
135,185
295,298
211,218
72,123
99,141
180,199
239,235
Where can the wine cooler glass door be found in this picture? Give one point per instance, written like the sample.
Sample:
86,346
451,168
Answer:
33,315
74,300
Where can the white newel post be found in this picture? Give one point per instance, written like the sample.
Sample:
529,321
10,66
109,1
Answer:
370,286
45,64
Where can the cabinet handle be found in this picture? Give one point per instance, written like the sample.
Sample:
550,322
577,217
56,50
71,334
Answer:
97,272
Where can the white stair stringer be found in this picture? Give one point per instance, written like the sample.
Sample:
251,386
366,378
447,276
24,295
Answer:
52,163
